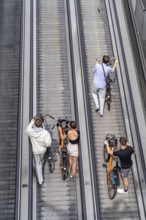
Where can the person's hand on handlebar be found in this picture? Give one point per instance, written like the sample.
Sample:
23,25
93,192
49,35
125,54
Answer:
109,150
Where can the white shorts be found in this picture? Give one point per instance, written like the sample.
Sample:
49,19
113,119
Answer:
73,149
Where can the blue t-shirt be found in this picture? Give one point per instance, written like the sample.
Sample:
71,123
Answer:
99,78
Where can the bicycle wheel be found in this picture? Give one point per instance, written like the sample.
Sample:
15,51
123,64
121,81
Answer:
106,156
51,166
108,106
64,174
112,191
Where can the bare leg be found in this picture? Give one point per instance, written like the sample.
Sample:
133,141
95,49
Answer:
125,184
74,165
70,163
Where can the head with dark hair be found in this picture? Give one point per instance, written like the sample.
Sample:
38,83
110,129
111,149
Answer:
38,122
105,59
123,140
73,124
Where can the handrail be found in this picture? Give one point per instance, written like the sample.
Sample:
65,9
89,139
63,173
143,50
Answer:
142,5
76,114
137,37
88,120
128,102
30,191
23,206
87,182
19,143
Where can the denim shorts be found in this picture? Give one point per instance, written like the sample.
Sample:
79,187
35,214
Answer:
125,172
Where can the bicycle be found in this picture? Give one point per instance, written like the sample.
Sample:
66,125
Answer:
108,95
113,180
48,157
63,123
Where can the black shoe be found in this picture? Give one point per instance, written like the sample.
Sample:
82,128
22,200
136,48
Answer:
101,115
97,109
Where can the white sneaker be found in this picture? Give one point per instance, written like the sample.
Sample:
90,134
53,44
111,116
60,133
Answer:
122,191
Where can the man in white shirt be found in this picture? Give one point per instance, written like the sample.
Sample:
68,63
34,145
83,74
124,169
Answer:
40,139
101,71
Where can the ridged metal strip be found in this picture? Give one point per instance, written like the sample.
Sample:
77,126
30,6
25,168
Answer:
9,86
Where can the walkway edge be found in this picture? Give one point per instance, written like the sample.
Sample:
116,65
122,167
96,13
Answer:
89,201
125,96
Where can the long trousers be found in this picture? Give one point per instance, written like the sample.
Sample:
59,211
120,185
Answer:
99,98
39,160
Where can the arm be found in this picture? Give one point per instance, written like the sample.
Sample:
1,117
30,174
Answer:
94,69
62,136
29,128
109,150
48,139
132,147
115,64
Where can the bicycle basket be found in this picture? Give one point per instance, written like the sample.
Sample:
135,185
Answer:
111,139
63,123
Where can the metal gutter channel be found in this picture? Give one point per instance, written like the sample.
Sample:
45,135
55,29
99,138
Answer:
55,79
19,150
89,203
118,39
23,206
74,115
88,116
34,209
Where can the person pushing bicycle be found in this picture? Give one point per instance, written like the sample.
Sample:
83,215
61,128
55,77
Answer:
101,72
40,139
73,136
124,153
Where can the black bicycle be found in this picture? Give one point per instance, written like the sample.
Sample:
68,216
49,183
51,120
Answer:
108,95
48,157
63,123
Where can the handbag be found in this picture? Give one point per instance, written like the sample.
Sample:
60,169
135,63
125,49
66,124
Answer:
107,79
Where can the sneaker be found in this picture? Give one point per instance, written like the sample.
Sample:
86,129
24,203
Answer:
71,176
97,109
122,191
41,183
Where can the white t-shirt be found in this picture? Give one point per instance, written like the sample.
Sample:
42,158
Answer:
99,78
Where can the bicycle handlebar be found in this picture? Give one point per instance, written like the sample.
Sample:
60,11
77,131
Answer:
43,116
48,116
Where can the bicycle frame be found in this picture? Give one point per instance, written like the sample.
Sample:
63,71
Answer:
64,154
109,170
48,157
112,172
108,95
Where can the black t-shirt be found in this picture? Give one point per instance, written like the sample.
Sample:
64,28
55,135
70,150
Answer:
125,157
